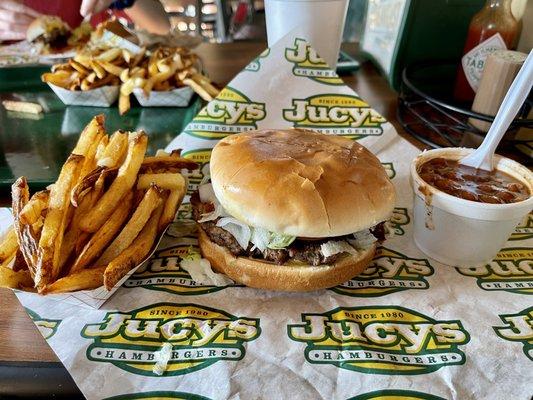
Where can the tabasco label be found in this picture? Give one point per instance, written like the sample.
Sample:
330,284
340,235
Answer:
473,62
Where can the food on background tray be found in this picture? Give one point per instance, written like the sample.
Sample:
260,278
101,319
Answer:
96,222
22,106
50,31
472,184
292,210
164,69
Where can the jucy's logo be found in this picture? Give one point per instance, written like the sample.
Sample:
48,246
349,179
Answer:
308,64
511,271
231,112
380,339
389,272
163,271
47,327
335,114
391,394
524,230
518,328
200,156
400,218
199,336
255,64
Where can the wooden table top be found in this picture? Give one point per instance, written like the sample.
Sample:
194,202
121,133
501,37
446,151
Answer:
19,338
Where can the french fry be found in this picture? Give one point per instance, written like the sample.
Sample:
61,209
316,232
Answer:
78,67
100,150
98,70
111,68
151,200
204,94
74,239
20,194
109,55
34,208
124,103
98,242
54,224
167,180
59,78
205,83
83,59
22,106
115,150
88,135
126,55
89,278
134,254
60,67
89,163
125,180
9,246
15,279
172,202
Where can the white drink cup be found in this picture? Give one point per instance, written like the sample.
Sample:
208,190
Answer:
320,22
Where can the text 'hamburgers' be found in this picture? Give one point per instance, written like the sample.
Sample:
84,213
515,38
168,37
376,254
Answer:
292,210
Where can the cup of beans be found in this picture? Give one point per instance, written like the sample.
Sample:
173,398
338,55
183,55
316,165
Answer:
463,216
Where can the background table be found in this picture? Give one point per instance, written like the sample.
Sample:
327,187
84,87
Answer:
26,361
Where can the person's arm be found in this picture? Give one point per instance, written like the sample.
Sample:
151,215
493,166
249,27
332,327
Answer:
15,18
146,14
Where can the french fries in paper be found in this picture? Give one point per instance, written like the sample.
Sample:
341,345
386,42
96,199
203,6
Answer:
98,221
165,77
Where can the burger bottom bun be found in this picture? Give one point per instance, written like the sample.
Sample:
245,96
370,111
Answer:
290,278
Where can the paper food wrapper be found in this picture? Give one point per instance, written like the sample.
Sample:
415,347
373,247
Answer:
103,96
84,298
406,327
179,97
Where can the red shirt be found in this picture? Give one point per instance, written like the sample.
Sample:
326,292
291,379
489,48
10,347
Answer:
69,11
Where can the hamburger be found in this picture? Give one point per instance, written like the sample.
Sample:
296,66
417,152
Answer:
292,210
50,31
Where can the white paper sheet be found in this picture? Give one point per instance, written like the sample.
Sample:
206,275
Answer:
407,326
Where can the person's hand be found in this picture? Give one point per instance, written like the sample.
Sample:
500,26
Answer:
15,18
89,7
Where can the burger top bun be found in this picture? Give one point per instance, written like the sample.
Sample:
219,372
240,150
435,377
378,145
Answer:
300,183
43,25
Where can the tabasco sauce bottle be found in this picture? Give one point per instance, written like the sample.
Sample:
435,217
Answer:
493,28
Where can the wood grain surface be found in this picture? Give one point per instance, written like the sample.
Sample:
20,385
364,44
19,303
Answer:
19,338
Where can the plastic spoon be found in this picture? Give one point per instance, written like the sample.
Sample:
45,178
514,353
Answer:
513,100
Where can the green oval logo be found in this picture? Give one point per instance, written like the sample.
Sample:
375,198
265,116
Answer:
388,340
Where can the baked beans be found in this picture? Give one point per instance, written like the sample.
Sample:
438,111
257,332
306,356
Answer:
472,184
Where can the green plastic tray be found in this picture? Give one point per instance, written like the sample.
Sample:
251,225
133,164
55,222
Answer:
37,146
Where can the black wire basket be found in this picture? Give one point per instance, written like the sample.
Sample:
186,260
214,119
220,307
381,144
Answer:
427,111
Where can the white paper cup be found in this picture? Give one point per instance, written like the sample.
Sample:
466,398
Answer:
320,22
460,232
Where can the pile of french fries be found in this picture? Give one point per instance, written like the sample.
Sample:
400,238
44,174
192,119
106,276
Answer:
163,69
100,219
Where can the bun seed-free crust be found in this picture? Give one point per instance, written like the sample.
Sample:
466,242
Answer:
300,183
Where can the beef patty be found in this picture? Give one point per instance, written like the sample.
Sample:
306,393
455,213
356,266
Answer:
306,251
